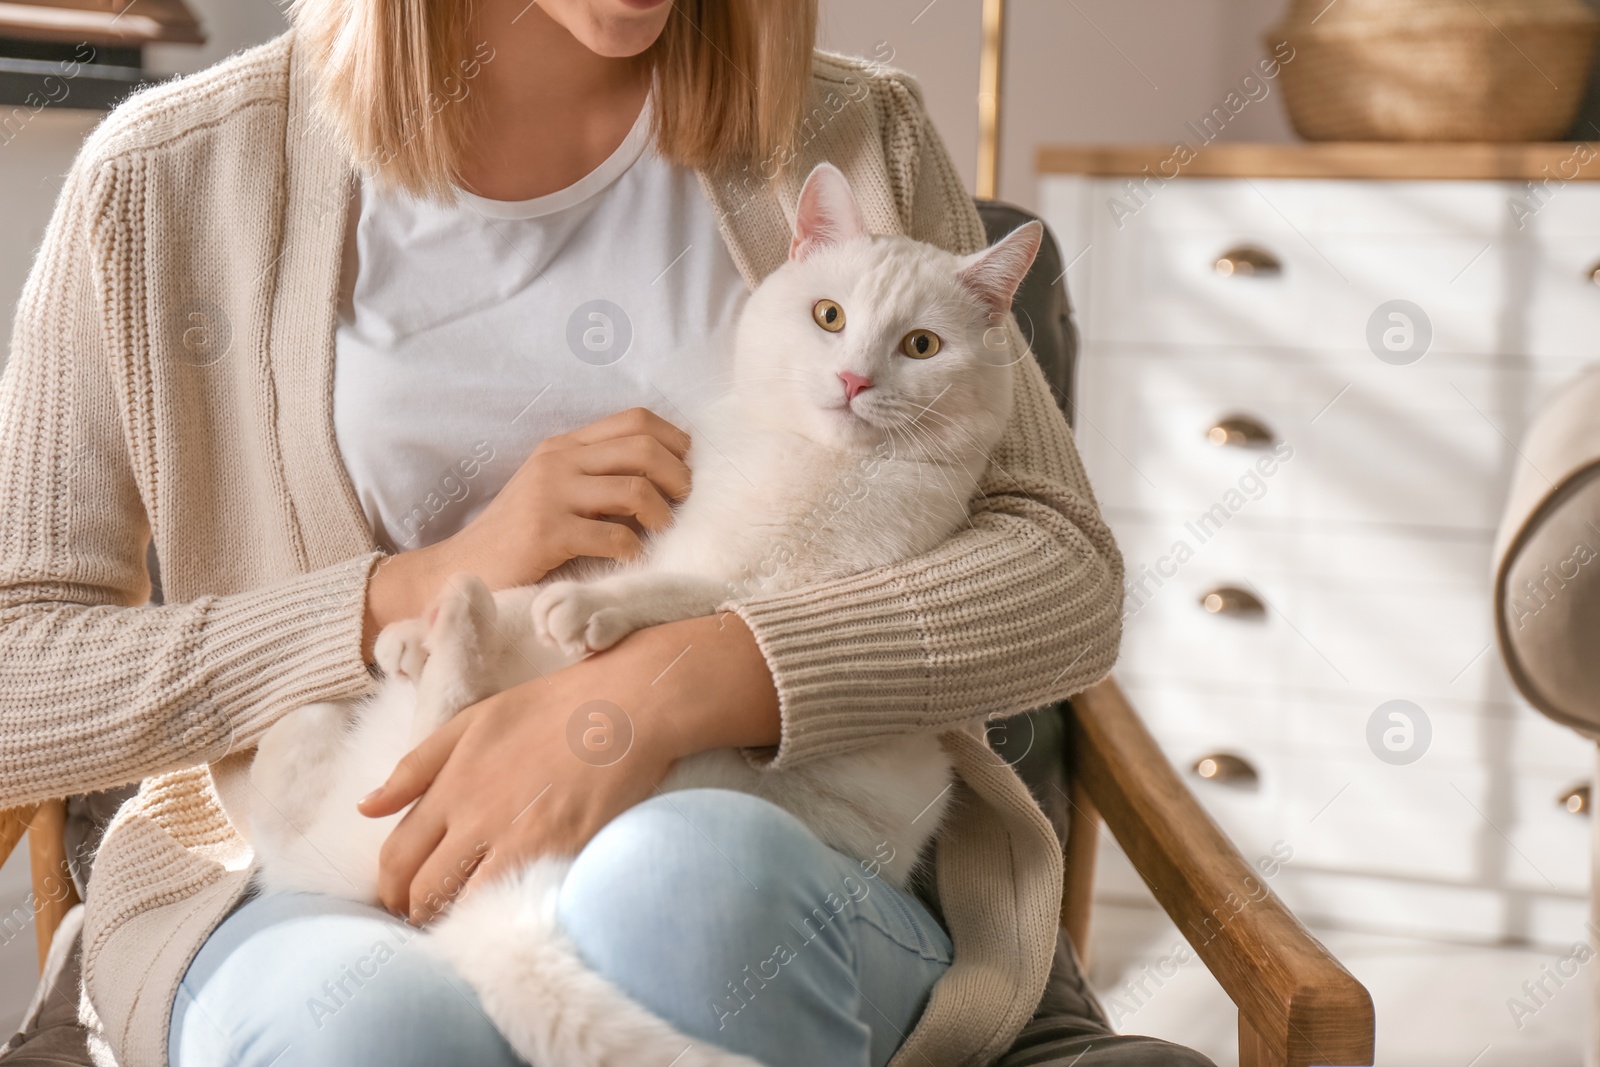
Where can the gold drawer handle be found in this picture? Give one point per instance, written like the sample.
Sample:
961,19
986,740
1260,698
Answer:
1594,274
1228,768
1231,600
1240,431
1248,261
1578,800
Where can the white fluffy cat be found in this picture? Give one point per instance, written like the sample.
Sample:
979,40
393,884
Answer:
867,393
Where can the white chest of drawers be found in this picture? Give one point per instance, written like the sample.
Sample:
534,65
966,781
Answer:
1342,527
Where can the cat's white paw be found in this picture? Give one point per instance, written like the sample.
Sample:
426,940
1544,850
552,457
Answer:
401,650
578,618
463,606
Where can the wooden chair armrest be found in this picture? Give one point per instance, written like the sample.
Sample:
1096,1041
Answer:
1298,1005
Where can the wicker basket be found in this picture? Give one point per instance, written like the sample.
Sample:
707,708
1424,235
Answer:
1435,70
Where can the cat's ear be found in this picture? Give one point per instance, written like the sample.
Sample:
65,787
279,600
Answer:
826,214
994,274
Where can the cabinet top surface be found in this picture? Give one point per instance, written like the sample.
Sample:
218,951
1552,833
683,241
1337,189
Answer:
1559,161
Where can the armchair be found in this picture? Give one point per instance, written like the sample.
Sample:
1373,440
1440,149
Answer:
1090,759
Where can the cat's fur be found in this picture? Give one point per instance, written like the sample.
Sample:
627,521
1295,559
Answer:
795,482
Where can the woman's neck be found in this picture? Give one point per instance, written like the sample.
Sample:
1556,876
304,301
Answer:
549,109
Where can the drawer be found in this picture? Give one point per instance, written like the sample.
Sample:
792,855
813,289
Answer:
1554,299
1345,248
1446,825
1274,716
1411,908
1571,210
1359,441
1410,209
1314,555
1359,611
1388,640
1367,537
1167,290
1373,641
1474,826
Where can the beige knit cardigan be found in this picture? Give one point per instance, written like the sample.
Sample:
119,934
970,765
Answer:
170,382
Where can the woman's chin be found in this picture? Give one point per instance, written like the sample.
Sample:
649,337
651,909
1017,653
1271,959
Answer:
614,29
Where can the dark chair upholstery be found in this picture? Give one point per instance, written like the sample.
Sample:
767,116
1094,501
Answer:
1036,743
1041,306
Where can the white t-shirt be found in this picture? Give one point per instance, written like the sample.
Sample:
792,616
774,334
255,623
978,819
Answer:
470,332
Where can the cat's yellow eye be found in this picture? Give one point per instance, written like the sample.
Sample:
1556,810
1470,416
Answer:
920,344
829,315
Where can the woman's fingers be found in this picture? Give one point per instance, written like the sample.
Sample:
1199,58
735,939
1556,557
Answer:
408,846
443,875
640,455
623,496
632,423
492,866
596,537
415,771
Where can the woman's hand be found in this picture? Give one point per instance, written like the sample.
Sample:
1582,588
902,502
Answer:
539,769
627,466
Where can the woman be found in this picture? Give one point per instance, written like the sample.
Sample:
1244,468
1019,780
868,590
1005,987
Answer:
266,338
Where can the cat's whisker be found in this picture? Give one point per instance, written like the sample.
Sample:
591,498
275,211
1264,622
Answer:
977,446
927,434
938,469
892,437
953,424
938,447
944,477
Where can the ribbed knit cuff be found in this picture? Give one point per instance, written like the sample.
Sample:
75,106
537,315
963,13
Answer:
997,620
837,650
294,643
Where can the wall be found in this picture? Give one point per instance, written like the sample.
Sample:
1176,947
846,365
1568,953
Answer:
35,156
32,163
1076,70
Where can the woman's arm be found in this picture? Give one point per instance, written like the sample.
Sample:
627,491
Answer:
96,690
561,503
1017,611
511,777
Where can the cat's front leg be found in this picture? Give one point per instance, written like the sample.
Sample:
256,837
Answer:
580,617
464,648
401,650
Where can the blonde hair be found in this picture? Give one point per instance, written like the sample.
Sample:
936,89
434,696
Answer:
395,81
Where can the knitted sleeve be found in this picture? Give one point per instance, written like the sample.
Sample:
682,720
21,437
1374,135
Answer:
1019,610
96,687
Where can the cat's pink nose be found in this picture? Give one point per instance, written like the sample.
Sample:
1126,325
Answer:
853,384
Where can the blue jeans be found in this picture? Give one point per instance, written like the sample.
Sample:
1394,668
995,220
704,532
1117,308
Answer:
716,910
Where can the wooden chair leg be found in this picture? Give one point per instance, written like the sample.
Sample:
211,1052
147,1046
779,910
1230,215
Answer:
1077,897
53,892
13,825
